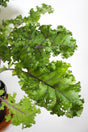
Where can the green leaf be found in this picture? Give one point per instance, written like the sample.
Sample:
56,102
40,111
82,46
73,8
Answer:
23,112
56,90
3,68
4,2
1,92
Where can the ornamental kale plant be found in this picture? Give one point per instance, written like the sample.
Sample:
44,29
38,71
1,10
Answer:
27,46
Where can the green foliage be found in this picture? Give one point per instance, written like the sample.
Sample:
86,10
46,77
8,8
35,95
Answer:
23,112
1,92
56,89
3,68
4,2
26,44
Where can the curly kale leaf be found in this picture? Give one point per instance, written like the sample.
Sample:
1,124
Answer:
23,112
56,89
36,41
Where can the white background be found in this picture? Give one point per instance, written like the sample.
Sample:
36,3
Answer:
73,15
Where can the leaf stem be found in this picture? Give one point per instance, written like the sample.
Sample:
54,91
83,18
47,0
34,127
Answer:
6,70
45,83
46,46
0,62
41,81
12,106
